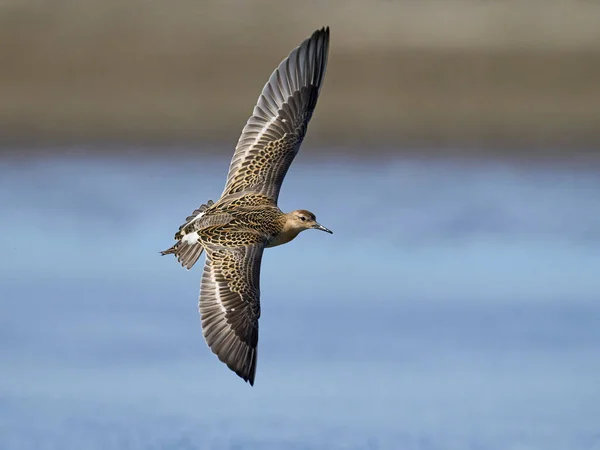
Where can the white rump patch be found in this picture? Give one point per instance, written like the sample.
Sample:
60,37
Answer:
191,238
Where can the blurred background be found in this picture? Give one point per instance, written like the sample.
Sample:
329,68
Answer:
454,152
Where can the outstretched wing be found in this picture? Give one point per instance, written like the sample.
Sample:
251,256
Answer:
230,305
272,136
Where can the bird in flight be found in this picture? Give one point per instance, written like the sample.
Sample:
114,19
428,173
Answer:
235,230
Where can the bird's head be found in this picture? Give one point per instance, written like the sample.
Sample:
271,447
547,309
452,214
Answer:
302,219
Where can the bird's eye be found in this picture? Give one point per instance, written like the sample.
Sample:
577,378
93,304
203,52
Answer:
302,218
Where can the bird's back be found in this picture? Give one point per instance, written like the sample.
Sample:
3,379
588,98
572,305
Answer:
251,212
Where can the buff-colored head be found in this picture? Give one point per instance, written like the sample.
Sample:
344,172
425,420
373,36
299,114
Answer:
302,219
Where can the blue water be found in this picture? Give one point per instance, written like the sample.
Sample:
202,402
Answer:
456,306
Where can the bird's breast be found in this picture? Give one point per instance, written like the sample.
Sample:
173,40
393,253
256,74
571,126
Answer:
283,237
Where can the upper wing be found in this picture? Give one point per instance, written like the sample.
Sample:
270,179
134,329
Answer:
230,306
272,136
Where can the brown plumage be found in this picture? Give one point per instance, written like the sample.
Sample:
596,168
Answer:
236,229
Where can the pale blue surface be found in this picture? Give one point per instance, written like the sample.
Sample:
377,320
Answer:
456,306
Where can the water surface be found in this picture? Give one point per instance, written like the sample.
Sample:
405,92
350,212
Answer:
454,307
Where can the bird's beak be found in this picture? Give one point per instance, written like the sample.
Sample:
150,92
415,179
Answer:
318,226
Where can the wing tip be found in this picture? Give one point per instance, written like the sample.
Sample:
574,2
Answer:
305,65
244,365
324,30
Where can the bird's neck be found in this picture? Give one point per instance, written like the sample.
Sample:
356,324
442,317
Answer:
287,233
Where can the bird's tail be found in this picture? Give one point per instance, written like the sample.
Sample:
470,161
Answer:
187,253
188,248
